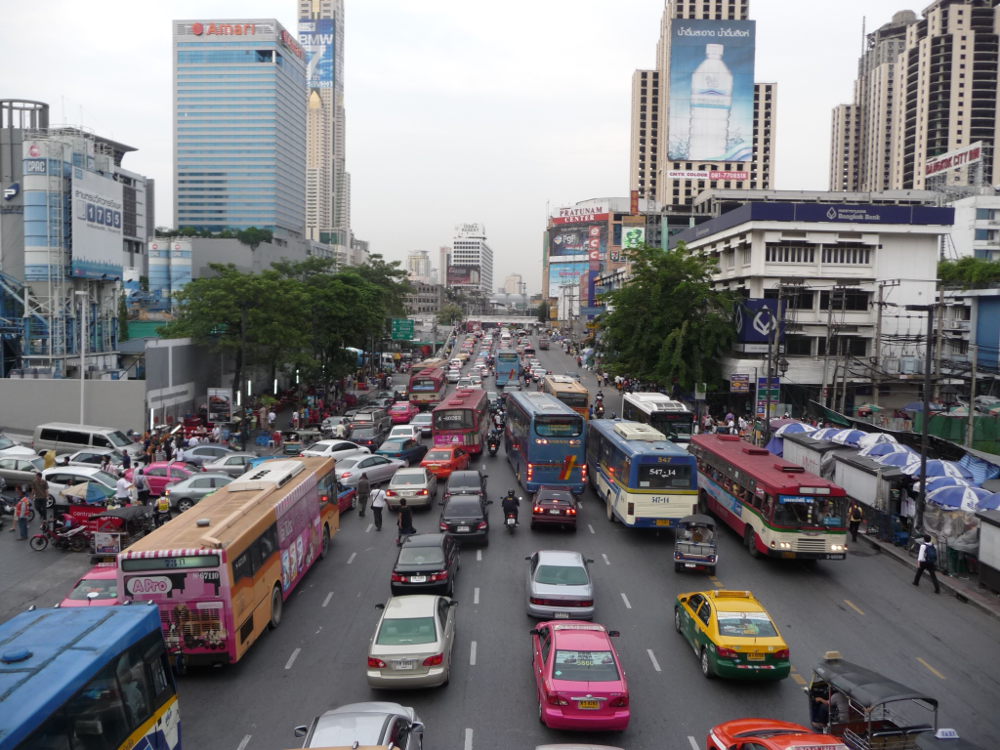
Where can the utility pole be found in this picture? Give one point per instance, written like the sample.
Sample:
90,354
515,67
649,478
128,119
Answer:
970,429
824,391
918,521
938,346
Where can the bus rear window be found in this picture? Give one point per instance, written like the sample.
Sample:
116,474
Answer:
423,384
573,399
558,426
454,419
135,564
664,476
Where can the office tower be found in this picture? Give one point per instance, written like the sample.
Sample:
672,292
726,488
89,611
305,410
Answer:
926,88
471,254
514,284
699,120
239,126
328,187
444,260
418,266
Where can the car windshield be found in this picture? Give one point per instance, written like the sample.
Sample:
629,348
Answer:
463,505
421,555
105,588
585,666
562,575
421,419
438,456
318,446
746,625
406,630
104,478
6,442
347,463
409,479
363,432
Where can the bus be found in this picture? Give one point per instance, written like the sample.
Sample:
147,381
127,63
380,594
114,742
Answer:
570,391
645,480
427,386
544,441
87,677
508,364
463,418
660,412
222,574
780,509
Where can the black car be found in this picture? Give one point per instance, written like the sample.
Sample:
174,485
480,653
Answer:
426,564
465,517
371,437
466,482
553,505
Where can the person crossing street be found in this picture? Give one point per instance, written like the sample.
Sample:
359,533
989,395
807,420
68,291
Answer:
364,490
378,504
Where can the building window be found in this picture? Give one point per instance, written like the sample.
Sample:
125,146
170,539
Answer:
984,214
780,252
845,299
841,255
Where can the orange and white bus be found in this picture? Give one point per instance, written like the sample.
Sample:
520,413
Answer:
462,419
222,571
570,391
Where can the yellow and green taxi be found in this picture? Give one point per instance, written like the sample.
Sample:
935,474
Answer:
732,635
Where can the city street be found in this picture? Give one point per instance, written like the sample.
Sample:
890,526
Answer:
864,607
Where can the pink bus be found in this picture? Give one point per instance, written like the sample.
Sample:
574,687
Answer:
462,419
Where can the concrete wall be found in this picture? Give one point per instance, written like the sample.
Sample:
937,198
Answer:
108,403
178,375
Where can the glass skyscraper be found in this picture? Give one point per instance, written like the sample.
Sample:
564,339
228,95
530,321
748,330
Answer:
239,126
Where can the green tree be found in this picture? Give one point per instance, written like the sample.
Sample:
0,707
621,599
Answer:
668,324
450,314
122,317
542,312
253,237
968,272
390,277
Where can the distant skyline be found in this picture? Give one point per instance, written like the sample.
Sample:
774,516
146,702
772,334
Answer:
457,112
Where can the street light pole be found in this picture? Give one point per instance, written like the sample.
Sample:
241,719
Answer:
83,350
918,522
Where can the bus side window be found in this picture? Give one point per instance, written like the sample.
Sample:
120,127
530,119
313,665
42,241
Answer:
134,687
242,567
160,680
268,542
96,714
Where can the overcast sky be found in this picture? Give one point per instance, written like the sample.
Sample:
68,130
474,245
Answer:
457,110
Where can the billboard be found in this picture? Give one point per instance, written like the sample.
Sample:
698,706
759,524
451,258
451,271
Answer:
954,159
706,174
579,239
463,275
633,237
756,320
711,90
566,274
317,38
580,214
97,226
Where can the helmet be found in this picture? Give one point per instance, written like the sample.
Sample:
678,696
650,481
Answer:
510,493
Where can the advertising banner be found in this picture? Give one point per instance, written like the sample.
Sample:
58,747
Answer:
756,320
954,159
580,214
566,274
705,174
739,383
220,405
579,239
633,237
711,90
463,275
97,226
317,38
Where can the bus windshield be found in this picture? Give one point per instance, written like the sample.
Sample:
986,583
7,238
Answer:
801,510
454,419
673,426
558,426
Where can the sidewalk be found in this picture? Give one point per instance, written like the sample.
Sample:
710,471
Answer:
966,590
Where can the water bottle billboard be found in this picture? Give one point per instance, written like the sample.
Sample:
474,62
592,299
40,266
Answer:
711,90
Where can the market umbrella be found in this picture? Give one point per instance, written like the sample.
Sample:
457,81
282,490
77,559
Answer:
958,411
884,449
792,428
867,407
937,483
937,468
849,437
899,458
964,498
88,492
777,422
874,438
825,433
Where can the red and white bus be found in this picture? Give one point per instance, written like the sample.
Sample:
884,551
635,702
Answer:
221,572
779,508
427,386
463,419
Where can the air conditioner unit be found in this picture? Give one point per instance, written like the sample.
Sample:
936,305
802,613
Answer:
638,431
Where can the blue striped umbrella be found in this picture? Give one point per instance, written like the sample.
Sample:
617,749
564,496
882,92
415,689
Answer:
899,458
884,449
825,433
937,468
791,428
849,437
964,498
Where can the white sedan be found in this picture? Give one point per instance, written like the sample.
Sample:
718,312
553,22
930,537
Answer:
335,448
412,643
378,469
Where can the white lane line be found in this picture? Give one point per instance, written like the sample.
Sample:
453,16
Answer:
652,658
468,739
351,558
292,658
591,529
472,655
369,528
693,742
628,604
606,560
475,595
244,742
479,555
328,598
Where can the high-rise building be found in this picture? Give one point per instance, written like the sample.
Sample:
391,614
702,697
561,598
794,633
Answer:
513,284
444,260
470,251
926,87
699,120
328,186
239,126
418,266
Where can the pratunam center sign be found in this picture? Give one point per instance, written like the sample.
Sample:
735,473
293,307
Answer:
954,159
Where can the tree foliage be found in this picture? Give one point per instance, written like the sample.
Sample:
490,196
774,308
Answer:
668,325
968,272
450,314
253,237
542,312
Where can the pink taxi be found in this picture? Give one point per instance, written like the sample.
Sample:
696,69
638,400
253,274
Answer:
578,677
97,588
402,412
163,473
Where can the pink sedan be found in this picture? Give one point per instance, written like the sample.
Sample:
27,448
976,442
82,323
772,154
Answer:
160,474
402,412
578,677
98,588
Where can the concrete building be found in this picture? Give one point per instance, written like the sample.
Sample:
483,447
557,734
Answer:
469,250
671,158
239,108
444,260
513,284
426,297
418,266
925,87
977,228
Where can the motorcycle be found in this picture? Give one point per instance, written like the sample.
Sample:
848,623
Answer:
599,410
493,443
74,539
7,508
510,521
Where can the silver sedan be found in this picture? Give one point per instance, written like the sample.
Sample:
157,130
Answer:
232,464
378,469
559,585
412,643
416,484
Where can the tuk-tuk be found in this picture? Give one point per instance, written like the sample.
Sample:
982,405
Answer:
866,710
291,443
114,530
695,547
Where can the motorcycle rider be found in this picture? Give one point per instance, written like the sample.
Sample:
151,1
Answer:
510,504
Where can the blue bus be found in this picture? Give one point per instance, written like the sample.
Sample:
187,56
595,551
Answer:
87,677
643,478
508,363
544,439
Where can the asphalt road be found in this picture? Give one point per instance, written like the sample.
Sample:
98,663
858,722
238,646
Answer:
864,607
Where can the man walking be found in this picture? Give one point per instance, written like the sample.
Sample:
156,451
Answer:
378,503
854,518
21,511
40,494
927,560
364,489
405,521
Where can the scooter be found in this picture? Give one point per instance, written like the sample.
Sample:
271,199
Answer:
74,539
493,444
510,521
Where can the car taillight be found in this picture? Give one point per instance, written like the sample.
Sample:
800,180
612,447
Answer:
434,661
441,576
481,525
322,499
444,526
538,509
620,702
571,511
556,700
397,578
781,653
390,493
726,653
375,663
422,492
345,475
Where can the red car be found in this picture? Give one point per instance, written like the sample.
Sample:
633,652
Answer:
578,677
768,734
98,588
441,461
402,412
163,473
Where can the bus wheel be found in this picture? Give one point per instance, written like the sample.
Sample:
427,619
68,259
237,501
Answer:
325,549
276,604
750,539
610,510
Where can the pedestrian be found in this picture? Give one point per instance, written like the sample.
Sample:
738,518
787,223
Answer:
854,518
295,420
404,521
271,417
40,493
162,510
364,489
50,459
378,503
927,561
21,511
141,487
126,461
122,490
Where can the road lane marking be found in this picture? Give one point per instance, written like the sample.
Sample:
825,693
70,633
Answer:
368,529
468,739
292,658
591,529
716,582
475,595
244,742
606,560
328,598
472,655
351,558
479,555
693,742
652,658
932,670
628,605
853,606
799,679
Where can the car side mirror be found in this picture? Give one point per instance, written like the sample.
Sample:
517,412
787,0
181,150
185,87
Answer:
613,633
301,731
589,560
453,603
380,605
528,557
534,631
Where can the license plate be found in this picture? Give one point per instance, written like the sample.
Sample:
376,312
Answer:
561,615
690,565
755,657
554,511
588,704
662,521
418,579
461,528
403,664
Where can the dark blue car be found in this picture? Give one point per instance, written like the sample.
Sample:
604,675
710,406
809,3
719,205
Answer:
405,449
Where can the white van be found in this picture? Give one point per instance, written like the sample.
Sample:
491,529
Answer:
63,437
